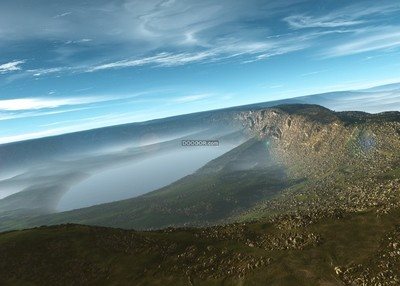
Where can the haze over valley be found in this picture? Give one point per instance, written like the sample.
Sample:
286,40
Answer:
79,172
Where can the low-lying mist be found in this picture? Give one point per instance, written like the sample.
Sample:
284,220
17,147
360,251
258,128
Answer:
110,173
138,177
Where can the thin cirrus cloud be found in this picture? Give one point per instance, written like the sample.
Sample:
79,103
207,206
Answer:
351,15
223,50
378,39
150,26
191,98
11,66
303,21
200,34
162,59
257,50
62,15
147,24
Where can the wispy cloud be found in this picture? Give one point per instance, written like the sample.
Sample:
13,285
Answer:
350,15
228,49
46,71
276,86
375,39
164,33
46,106
170,33
62,15
81,41
11,66
303,21
191,98
161,59
313,73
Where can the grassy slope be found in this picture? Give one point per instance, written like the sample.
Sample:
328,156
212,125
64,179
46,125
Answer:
82,255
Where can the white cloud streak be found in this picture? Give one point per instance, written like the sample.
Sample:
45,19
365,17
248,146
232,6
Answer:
62,15
378,39
162,59
11,66
228,49
191,98
303,21
356,14
43,106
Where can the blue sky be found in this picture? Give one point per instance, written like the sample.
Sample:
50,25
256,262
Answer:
74,65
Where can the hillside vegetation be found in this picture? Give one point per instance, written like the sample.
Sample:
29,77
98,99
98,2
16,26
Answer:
312,199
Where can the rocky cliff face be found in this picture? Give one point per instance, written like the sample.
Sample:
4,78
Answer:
312,140
344,158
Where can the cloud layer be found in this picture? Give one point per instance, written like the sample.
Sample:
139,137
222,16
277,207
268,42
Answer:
88,37
90,59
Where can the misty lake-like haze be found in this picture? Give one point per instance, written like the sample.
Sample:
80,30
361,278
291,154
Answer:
139,176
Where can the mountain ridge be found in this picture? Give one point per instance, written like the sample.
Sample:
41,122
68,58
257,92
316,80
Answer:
298,146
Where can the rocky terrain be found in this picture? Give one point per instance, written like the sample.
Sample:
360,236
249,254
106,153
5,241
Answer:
312,199
348,161
356,249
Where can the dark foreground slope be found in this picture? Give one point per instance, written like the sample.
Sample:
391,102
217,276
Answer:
356,249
